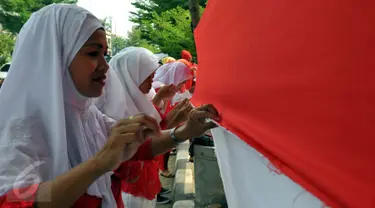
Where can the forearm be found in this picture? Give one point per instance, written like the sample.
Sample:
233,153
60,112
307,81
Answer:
164,142
170,117
157,100
175,121
67,188
194,127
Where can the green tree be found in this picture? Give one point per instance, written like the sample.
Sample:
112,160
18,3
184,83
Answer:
167,24
15,13
118,43
135,39
170,31
6,47
146,8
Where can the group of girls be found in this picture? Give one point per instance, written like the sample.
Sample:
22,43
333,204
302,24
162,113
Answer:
135,74
76,132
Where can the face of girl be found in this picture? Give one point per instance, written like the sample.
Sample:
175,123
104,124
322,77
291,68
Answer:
89,67
146,85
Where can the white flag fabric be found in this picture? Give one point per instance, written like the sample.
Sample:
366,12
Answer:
250,181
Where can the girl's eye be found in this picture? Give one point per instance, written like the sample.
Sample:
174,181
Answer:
93,54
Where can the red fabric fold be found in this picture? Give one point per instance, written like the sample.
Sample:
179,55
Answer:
295,80
145,181
140,174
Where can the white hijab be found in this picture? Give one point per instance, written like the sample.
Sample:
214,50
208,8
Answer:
46,126
132,67
151,94
113,100
171,73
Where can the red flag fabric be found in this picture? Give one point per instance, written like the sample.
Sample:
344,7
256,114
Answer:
296,81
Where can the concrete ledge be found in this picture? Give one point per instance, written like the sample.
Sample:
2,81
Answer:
182,156
183,186
184,204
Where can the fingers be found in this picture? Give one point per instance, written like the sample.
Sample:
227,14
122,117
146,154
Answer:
130,128
142,120
201,116
182,104
170,88
141,117
187,109
149,122
166,87
210,108
130,133
167,91
144,116
209,125
128,138
186,102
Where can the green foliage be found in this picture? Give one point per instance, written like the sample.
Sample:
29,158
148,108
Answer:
133,39
6,47
166,24
118,43
145,8
170,31
15,13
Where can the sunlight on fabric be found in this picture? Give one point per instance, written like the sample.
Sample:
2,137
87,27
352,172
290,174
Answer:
250,182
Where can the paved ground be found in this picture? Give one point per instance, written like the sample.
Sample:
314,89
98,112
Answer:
168,182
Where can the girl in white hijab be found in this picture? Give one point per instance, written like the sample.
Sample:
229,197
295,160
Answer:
135,68
175,73
56,148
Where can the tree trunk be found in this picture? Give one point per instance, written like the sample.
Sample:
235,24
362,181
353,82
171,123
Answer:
194,13
195,17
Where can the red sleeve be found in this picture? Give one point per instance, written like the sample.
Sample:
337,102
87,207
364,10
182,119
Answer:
19,198
133,166
144,152
188,84
169,107
129,170
163,123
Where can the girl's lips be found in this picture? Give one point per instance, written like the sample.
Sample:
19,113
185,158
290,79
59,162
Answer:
100,80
